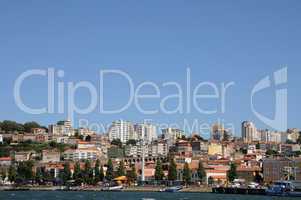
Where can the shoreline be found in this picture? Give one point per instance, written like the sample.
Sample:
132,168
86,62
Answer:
99,189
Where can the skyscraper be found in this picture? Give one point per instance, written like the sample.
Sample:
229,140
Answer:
249,132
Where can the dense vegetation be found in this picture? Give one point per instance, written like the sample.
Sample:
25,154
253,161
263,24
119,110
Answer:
12,126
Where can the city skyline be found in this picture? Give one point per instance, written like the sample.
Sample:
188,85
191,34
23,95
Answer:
245,45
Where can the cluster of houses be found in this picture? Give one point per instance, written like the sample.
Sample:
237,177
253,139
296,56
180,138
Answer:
253,159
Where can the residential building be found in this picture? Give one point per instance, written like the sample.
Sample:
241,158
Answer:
172,134
145,132
199,147
136,150
85,132
82,154
24,156
183,148
62,128
218,132
275,169
218,173
215,149
158,148
249,132
38,131
51,156
1,139
5,161
122,130
41,137
293,134
248,173
29,137
60,139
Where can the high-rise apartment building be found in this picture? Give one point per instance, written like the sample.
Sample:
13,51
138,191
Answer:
249,132
122,130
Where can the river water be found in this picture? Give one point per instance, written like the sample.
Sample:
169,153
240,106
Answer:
39,195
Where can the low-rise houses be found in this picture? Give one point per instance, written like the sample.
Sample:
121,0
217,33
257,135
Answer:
5,161
158,148
49,156
22,156
82,154
260,154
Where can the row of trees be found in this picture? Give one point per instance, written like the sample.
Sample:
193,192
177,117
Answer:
20,173
172,172
9,126
89,175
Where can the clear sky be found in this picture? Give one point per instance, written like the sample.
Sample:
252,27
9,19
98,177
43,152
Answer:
220,41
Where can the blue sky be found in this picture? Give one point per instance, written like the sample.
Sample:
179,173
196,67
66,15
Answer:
220,41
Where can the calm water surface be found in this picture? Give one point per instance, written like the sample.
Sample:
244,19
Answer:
28,195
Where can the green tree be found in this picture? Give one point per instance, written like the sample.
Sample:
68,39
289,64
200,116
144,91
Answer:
121,169
77,174
28,126
132,174
65,175
172,170
110,171
101,174
96,172
3,174
131,142
201,171
39,175
8,126
210,180
232,174
12,173
24,171
117,142
186,173
46,175
159,174
88,173
271,152
88,138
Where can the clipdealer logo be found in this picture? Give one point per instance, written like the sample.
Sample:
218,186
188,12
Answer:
279,121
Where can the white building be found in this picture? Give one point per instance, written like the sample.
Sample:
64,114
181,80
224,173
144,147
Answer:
249,132
172,134
122,130
85,132
293,134
145,132
82,154
62,128
273,136
1,139
136,150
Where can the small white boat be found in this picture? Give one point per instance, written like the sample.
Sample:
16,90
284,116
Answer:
113,188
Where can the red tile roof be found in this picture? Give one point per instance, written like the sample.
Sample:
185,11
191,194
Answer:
5,159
